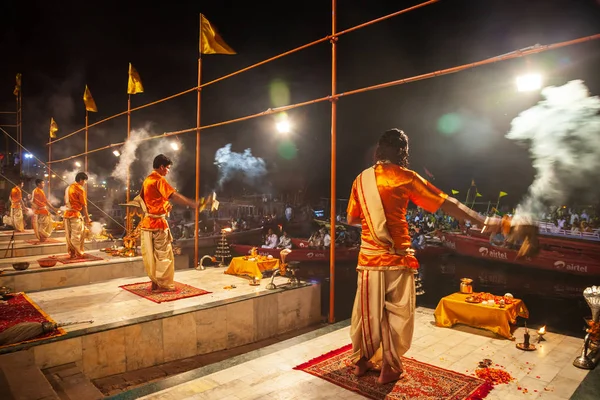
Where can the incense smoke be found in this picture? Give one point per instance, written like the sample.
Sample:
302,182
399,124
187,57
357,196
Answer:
232,164
96,228
136,149
563,132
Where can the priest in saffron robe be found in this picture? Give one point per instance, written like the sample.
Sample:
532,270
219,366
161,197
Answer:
383,313
41,220
17,206
157,250
76,216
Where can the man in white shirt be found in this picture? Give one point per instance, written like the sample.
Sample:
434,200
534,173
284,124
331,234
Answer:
285,242
327,239
270,240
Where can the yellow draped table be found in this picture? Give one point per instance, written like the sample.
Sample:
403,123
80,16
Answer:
252,267
453,309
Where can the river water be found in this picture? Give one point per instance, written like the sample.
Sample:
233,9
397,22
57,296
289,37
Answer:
553,299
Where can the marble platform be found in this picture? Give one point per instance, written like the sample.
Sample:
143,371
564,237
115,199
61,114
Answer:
36,278
25,249
25,235
130,332
268,374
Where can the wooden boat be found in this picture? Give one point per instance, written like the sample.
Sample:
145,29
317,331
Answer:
572,261
302,252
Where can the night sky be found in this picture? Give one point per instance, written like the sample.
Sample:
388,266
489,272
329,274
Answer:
59,47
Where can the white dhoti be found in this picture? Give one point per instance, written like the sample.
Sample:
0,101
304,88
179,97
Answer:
74,229
383,316
159,261
17,219
42,226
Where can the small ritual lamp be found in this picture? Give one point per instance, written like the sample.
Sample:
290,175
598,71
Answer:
541,332
526,345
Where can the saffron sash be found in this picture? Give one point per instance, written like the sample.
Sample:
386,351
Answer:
370,202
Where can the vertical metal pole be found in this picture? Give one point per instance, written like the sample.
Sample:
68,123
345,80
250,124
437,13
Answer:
198,99
333,165
48,167
85,160
21,127
18,133
127,224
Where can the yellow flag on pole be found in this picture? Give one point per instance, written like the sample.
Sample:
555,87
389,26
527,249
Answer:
134,85
17,85
477,194
53,128
90,104
455,191
210,41
502,194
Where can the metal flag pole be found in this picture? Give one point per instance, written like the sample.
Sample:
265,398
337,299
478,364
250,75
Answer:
198,102
85,159
332,204
127,222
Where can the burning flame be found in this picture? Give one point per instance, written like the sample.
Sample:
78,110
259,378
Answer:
226,230
542,330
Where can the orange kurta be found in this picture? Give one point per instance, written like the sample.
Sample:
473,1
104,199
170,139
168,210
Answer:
76,199
15,197
39,202
397,186
156,192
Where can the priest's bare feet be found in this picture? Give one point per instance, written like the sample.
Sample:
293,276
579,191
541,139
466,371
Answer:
388,375
362,366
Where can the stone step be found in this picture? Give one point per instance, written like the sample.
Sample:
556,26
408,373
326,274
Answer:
5,236
36,278
24,249
71,384
21,379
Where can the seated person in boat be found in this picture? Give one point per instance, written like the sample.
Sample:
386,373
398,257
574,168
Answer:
285,242
270,240
497,239
316,240
418,241
326,239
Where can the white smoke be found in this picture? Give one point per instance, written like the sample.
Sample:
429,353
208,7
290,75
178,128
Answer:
96,228
137,156
563,132
128,156
232,164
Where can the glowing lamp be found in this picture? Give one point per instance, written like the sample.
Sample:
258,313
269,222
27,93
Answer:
529,82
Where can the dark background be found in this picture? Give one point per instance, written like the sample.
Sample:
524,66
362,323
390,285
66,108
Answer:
59,47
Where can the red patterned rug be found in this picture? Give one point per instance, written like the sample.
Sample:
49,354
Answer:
419,381
20,308
182,291
36,242
64,258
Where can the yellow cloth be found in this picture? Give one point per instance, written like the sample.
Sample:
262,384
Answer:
240,266
453,309
134,84
74,229
383,316
16,215
157,254
42,226
88,100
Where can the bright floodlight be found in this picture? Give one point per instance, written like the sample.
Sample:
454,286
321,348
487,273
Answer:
116,153
283,126
28,155
175,145
77,164
529,82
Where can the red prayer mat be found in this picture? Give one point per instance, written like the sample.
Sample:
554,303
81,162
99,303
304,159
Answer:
64,259
36,242
20,308
182,291
419,380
